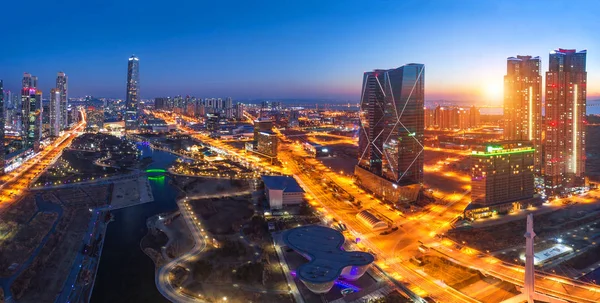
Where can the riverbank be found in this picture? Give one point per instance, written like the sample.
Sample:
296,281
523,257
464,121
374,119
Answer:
53,268
233,254
126,273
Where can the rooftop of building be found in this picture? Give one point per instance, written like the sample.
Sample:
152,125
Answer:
285,183
323,246
503,147
369,217
526,200
521,58
267,133
567,51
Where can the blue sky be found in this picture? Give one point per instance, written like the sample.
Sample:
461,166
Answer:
287,49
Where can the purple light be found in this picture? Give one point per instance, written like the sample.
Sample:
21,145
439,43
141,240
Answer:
340,283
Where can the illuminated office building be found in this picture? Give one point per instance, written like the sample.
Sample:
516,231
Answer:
132,101
501,175
61,87
390,139
31,102
566,85
523,103
55,112
2,125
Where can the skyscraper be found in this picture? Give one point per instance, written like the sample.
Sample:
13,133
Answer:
55,114
61,86
162,103
132,102
566,82
390,140
239,111
523,103
31,102
2,123
27,81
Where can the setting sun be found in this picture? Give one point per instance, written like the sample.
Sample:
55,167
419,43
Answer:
493,92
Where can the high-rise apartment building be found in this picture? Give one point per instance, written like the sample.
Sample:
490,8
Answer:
239,111
55,112
2,125
132,101
162,103
564,147
63,101
8,107
390,140
523,103
27,81
228,103
31,104
451,117
501,173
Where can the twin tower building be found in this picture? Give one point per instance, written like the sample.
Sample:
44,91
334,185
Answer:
559,136
390,155
31,104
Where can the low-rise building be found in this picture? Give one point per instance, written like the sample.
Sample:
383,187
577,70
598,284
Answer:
501,177
322,246
316,150
282,191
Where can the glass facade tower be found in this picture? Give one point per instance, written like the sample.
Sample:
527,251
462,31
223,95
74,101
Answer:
55,116
61,86
392,124
132,101
390,155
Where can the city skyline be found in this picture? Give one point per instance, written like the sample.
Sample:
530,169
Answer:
239,157
281,56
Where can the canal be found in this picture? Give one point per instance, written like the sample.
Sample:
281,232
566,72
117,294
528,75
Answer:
125,273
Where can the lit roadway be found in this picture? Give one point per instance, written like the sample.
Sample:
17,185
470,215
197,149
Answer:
422,226
393,251
17,181
162,280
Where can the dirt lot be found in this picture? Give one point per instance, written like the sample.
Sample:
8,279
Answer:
62,249
223,216
44,277
26,238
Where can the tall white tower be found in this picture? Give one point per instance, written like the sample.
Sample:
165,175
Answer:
529,295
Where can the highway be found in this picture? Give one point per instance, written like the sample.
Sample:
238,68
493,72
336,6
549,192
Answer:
19,180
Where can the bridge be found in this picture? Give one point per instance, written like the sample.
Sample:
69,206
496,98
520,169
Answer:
156,173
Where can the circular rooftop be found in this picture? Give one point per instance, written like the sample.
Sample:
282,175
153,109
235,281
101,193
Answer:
323,246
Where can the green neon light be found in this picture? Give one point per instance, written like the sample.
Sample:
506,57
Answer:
157,178
493,148
474,153
156,170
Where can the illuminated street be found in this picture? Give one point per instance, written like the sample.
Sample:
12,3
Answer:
19,180
451,190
